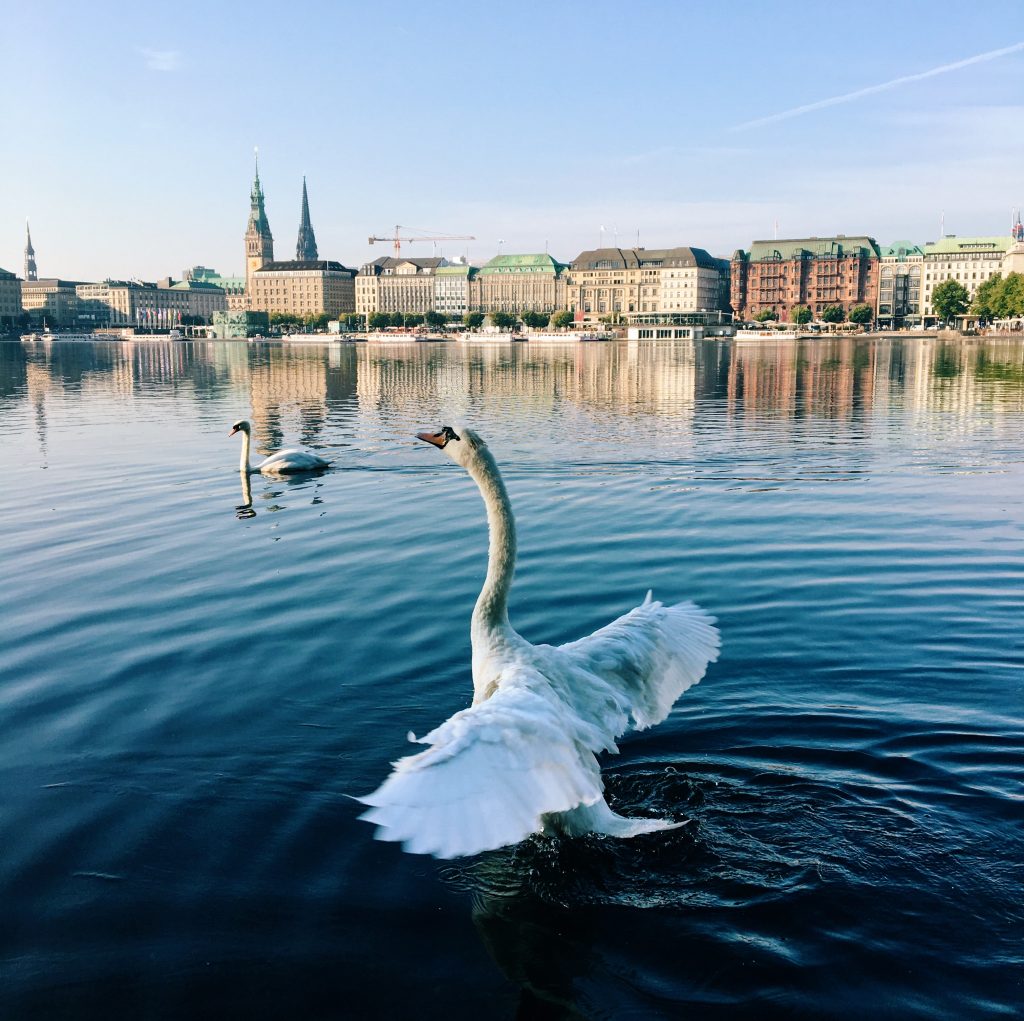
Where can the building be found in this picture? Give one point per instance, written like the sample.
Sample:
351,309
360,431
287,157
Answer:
233,287
159,306
50,302
238,324
453,288
775,276
10,301
631,282
303,288
901,267
396,284
30,256
969,261
305,248
520,283
259,242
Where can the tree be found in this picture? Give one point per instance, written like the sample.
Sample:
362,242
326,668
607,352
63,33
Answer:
862,314
317,321
414,319
800,314
562,320
536,320
832,314
397,319
766,315
473,320
950,299
987,296
380,320
503,320
435,320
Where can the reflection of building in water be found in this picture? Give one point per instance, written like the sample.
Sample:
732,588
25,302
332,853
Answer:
300,383
526,379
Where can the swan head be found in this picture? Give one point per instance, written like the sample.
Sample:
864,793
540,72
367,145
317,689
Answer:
241,426
461,444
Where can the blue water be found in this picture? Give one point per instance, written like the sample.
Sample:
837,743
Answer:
194,682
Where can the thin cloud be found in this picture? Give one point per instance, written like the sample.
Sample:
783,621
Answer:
162,60
849,97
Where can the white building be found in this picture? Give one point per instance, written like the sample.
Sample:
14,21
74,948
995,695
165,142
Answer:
969,261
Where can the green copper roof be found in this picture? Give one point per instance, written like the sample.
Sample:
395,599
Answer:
523,264
900,250
797,248
458,270
952,245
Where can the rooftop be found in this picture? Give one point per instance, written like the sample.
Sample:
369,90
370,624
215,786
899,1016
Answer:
813,247
542,263
636,258
951,245
311,265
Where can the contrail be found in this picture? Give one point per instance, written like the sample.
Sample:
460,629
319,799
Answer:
871,89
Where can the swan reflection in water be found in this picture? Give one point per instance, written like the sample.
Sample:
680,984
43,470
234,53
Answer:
246,510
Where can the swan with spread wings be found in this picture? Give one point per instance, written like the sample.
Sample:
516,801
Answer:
522,758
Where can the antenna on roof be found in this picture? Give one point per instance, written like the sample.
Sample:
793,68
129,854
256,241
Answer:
942,224
776,235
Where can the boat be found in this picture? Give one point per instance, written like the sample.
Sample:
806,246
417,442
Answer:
484,337
70,337
765,335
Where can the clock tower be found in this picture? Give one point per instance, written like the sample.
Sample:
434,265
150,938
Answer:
259,242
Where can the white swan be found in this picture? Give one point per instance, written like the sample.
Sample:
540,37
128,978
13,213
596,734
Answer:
284,462
523,758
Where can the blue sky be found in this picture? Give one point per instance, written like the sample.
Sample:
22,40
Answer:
127,130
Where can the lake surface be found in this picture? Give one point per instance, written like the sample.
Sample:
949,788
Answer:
194,683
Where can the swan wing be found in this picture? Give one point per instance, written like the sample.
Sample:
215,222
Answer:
488,776
644,660
291,460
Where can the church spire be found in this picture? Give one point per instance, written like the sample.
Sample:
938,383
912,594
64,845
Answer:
305,249
30,256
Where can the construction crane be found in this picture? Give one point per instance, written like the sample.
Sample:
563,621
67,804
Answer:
431,236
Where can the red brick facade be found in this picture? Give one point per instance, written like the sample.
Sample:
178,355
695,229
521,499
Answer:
777,275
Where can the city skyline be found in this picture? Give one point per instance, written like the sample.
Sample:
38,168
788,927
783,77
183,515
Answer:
130,138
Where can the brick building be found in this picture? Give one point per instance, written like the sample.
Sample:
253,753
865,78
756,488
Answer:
777,275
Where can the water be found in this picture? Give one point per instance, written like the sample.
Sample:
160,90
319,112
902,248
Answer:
192,684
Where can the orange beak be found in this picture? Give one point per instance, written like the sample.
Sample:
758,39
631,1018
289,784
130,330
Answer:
438,439
234,429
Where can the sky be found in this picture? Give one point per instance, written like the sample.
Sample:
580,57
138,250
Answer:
127,129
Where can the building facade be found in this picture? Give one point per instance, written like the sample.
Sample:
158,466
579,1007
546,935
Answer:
10,301
630,282
968,260
303,288
453,289
900,273
520,283
397,284
51,302
135,303
775,276
233,287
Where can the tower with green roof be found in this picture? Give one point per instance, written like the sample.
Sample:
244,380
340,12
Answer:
259,242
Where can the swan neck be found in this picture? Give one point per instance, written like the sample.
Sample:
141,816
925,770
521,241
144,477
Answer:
243,464
491,609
